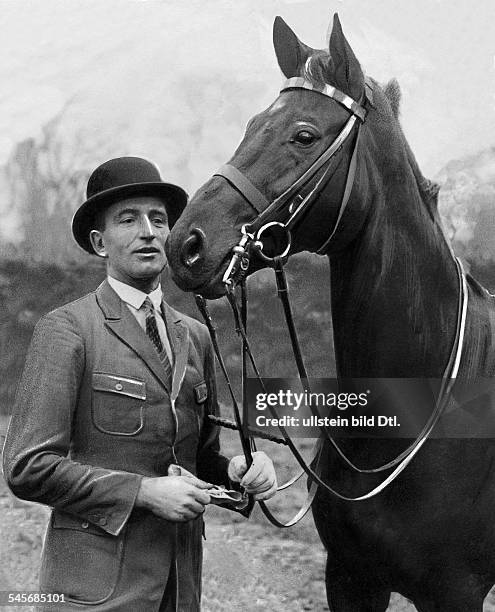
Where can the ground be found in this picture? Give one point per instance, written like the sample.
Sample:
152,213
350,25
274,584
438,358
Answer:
249,566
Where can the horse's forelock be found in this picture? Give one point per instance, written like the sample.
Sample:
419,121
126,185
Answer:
316,68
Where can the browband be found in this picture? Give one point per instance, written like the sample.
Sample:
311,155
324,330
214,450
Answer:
327,90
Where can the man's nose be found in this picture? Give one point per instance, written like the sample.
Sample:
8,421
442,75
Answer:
147,229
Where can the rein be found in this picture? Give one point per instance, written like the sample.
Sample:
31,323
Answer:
246,436
251,241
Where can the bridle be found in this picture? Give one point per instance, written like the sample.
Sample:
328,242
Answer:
291,202
293,205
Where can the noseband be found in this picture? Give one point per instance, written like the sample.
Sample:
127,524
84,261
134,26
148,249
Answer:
291,201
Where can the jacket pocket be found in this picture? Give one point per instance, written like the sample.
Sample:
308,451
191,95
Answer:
80,560
118,404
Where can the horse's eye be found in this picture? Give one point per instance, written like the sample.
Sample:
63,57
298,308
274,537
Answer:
304,137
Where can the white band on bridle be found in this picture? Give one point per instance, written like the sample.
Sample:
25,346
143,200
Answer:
329,91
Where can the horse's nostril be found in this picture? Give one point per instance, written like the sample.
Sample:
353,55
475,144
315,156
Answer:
193,247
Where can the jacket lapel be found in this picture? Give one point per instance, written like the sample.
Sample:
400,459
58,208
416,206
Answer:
123,324
178,334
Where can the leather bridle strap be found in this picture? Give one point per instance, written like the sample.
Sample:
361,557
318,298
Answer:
313,486
244,187
266,210
351,173
201,304
332,92
280,203
245,441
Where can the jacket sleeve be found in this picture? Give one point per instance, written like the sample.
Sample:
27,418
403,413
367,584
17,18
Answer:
36,459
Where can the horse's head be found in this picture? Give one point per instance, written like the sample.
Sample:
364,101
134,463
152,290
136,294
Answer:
301,149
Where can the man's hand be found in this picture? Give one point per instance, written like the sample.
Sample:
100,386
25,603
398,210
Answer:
175,498
260,480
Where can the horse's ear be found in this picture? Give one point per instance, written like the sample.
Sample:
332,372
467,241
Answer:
344,69
291,52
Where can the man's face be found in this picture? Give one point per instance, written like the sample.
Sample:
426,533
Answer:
133,240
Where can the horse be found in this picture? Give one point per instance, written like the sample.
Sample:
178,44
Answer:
395,296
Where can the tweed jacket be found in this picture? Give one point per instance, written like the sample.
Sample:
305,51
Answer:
95,413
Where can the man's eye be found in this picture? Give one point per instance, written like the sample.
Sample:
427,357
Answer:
159,220
127,220
304,137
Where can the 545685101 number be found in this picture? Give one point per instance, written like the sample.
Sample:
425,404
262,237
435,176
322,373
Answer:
25,598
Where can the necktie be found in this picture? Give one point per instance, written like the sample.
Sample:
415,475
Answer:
154,336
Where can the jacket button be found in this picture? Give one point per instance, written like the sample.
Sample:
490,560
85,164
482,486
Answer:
102,521
119,387
85,525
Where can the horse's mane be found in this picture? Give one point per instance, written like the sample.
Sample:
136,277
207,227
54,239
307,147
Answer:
427,188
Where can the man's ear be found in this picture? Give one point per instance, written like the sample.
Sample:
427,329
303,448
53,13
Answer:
97,242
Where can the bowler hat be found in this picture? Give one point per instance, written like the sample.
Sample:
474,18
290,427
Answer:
119,179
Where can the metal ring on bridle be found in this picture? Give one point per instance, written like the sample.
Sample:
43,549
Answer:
258,243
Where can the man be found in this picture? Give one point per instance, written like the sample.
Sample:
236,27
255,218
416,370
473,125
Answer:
110,422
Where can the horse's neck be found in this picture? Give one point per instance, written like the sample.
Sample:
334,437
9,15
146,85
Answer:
395,292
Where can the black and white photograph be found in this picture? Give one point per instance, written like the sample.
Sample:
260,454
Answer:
247,305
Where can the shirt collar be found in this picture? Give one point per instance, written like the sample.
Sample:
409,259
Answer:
134,297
